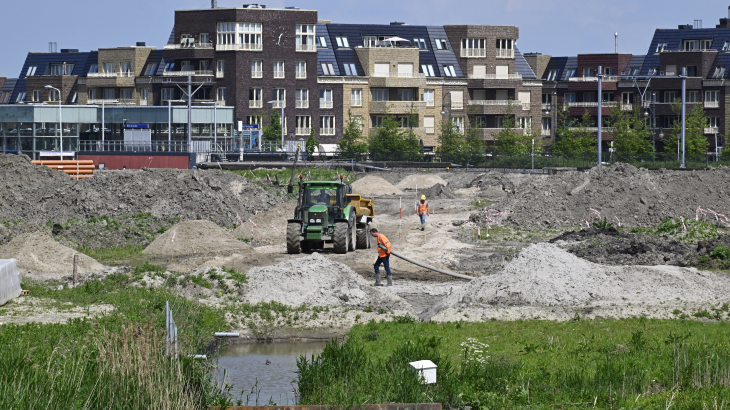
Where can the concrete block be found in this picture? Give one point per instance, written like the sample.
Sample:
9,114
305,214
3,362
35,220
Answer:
425,368
9,280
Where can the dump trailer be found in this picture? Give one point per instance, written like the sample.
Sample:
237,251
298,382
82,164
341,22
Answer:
328,212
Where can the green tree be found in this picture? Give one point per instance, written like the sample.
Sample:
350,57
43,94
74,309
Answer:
631,134
695,140
451,140
572,137
311,144
272,132
510,140
391,137
352,138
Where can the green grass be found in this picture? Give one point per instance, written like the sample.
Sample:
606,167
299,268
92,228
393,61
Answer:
633,363
480,202
125,255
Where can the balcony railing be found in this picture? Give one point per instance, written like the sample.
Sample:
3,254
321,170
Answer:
278,73
116,101
430,103
430,130
151,146
239,47
185,73
546,132
712,104
326,131
525,106
713,83
325,103
355,102
513,76
278,104
457,105
219,74
301,74
302,103
473,52
607,78
255,103
188,46
505,53
627,107
547,106
399,75
593,129
109,75
590,104
711,130
303,130
341,80
257,74
306,47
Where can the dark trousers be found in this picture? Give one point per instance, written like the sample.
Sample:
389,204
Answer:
386,264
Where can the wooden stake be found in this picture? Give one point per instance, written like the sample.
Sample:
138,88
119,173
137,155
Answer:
76,262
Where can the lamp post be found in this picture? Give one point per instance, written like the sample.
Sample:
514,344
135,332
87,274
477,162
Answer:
60,118
103,119
554,118
281,120
215,122
169,122
600,114
684,92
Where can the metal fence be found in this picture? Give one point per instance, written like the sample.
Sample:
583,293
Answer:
121,146
170,331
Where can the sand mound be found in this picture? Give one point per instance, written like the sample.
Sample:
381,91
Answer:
37,252
315,280
420,180
372,185
196,238
545,275
270,228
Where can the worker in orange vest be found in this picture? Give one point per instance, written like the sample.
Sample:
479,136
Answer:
383,257
422,210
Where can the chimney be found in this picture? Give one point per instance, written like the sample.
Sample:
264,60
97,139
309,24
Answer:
725,21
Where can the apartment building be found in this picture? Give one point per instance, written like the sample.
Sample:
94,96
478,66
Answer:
113,76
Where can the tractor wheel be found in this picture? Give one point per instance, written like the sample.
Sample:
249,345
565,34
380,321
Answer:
353,236
293,245
370,236
341,237
362,237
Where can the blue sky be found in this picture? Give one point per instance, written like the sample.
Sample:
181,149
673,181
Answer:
558,27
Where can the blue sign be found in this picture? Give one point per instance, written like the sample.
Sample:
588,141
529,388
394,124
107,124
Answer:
137,126
252,127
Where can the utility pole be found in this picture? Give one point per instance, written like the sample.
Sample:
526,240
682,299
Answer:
600,111
189,94
684,107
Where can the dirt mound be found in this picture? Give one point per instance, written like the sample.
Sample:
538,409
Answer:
196,238
315,280
637,197
270,228
36,193
420,180
372,185
545,275
37,252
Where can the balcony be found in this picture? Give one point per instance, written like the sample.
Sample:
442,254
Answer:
525,106
325,103
627,107
302,104
495,76
394,106
355,102
186,73
342,80
278,104
186,46
239,47
301,74
592,129
457,105
118,101
430,103
303,130
219,74
326,131
255,103
607,78
306,47
546,132
711,130
590,104
713,83
398,75
278,73
712,104
505,53
430,130
257,74
473,52
110,75
547,106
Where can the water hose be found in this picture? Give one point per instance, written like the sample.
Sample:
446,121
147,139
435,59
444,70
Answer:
433,268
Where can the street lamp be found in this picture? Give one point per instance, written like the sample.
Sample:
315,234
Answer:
281,121
60,118
215,121
169,122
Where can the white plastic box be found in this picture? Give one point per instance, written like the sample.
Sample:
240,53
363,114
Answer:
427,370
9,280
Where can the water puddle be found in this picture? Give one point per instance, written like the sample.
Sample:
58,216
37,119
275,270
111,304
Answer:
264,372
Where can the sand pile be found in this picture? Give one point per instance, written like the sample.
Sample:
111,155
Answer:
420,180
638,197
372,185
270,228
196,238
545,275
37,252
315,280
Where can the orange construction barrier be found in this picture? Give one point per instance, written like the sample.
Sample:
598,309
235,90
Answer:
73,168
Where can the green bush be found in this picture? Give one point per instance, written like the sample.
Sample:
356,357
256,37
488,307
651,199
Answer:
720,253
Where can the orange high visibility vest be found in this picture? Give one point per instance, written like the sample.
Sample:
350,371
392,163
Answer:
382,240
422,208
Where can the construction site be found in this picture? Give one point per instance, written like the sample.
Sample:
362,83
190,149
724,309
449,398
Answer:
609,242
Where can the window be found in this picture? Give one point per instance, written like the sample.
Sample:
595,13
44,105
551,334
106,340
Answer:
473,47
552,74
325,98
691,71
36,96
525,123
126,67
305,37
226,33
695,45
342,42
110,94
588,72
370,41
328,69
257,69
321,42
220,68
279,95
144,94
405,70
693,96
357,119
459,123
169,66
278,69
91,94
429,124
254,98
186,40
109,68
301,95
243,36
569,97
356,97
253,120
420,43
607,96
350,69
627,98
547,98
21,97
713,122
547,124
406,94
589,97
569,73
377,120
428,97
427,70
127,93
712,96
442,44
61,68
75,97
505,48
327,125
31,71
670,96
150,69
204,65
726,46
382,70
221,94
186,66
168,93
301,69
671,70
660,47
304,124
719,72
449,70
653,70
94,68
204,38
379,94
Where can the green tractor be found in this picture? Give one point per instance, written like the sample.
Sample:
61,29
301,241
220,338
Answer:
327,212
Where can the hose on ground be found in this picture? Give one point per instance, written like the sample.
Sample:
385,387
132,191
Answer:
433,268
